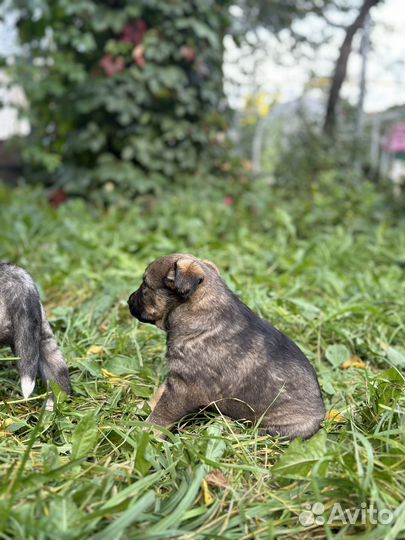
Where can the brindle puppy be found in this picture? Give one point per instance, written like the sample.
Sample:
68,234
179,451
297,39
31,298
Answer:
221,353
24,326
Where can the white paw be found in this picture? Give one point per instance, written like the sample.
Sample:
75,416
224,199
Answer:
27,386
49,404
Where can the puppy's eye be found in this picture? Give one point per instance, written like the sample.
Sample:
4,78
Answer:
148,287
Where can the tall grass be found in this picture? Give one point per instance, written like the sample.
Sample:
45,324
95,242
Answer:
327,270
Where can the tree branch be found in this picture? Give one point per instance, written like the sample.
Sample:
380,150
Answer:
341,66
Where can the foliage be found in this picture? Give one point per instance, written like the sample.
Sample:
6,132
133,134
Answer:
120,94
304,155
279,15
327,269
297,154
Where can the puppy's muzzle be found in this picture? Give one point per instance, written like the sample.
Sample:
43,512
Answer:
135,308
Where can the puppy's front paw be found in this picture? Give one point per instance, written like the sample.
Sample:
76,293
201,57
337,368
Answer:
155,431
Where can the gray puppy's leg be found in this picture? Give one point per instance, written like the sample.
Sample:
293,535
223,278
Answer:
52,365
27,330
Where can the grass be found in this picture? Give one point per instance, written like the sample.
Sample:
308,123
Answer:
326,268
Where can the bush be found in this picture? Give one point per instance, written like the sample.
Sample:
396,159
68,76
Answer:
120,93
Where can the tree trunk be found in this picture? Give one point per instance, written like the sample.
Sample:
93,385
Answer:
364,48
341,66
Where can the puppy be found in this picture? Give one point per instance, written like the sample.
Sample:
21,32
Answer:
221,353
24,327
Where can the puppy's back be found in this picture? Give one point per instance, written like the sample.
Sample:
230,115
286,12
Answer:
270,374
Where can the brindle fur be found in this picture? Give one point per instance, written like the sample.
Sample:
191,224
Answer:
221,353
25,328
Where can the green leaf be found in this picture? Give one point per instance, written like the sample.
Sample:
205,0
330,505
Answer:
308,310
337,354
131,490
285,220
175,517
300,457
396,356
117,528
85,436
141,462
60,395
216,445
63,513
327,386
50,457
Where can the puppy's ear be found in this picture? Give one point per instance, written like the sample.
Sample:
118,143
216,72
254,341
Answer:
211,265
184,278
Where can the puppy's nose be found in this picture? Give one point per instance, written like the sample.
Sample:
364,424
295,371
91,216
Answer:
129,299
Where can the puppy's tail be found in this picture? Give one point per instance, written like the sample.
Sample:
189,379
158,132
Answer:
52,364
27,337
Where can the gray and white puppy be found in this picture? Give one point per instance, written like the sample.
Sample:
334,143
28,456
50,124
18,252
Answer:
25,328
220,352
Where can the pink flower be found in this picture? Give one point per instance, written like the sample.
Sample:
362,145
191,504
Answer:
137,55
134,31
57,198
112,65
395,141
229,200
188,54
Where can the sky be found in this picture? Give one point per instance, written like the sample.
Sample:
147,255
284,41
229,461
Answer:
282,75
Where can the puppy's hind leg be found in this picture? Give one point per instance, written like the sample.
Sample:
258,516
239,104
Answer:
26,345
305,429
52,364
